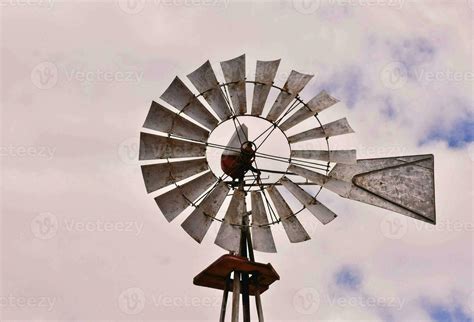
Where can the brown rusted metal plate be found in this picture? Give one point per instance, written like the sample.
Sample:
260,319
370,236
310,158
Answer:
229,233
206,82
264,76
262,238
180,97
401,184
199,221
161,147
160,175
338,127
216,274
293,228
295,83
234,72
338,156
320,211
317,104
162,119
175,201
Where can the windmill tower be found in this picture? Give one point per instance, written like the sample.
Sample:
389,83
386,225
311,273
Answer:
181,164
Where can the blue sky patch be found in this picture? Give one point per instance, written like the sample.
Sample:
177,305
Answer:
349,278
458,135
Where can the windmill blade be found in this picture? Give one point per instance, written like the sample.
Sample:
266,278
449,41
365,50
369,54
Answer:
229,234
317,104
293,228
161,147
338,156
175,201
234,72
162,119
180,97
323,214
401,184
199,221
264,76
206,82
295,83
338,127
160,175
262,237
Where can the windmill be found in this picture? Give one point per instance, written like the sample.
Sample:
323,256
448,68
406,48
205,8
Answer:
179,163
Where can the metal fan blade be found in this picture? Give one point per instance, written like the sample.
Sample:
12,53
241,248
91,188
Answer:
340,187
229,234
199,221
401,184
175,201
338,127
262,237
206,82
293,228
234,73
338,156
162,119
160,175
264,76
161,147
295,83
323,214
317,104
180,97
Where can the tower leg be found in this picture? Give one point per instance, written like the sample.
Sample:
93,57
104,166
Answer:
236,297
225,296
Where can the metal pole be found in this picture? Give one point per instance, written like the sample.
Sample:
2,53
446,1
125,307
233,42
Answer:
245,276
236,297
258,301
225,296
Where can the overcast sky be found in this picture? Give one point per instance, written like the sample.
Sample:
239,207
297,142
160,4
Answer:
82,240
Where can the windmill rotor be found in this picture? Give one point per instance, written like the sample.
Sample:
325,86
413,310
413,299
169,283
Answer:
186,120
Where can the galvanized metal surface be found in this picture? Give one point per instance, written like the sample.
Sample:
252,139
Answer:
228,236
180,97
160,175
338,156
261,235
317,104
321,212
160,147
264,76
234,72
175,201
293,228
162,119
205,81
295,83
198,222
338,127
401,184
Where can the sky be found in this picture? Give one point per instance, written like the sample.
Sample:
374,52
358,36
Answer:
81,239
